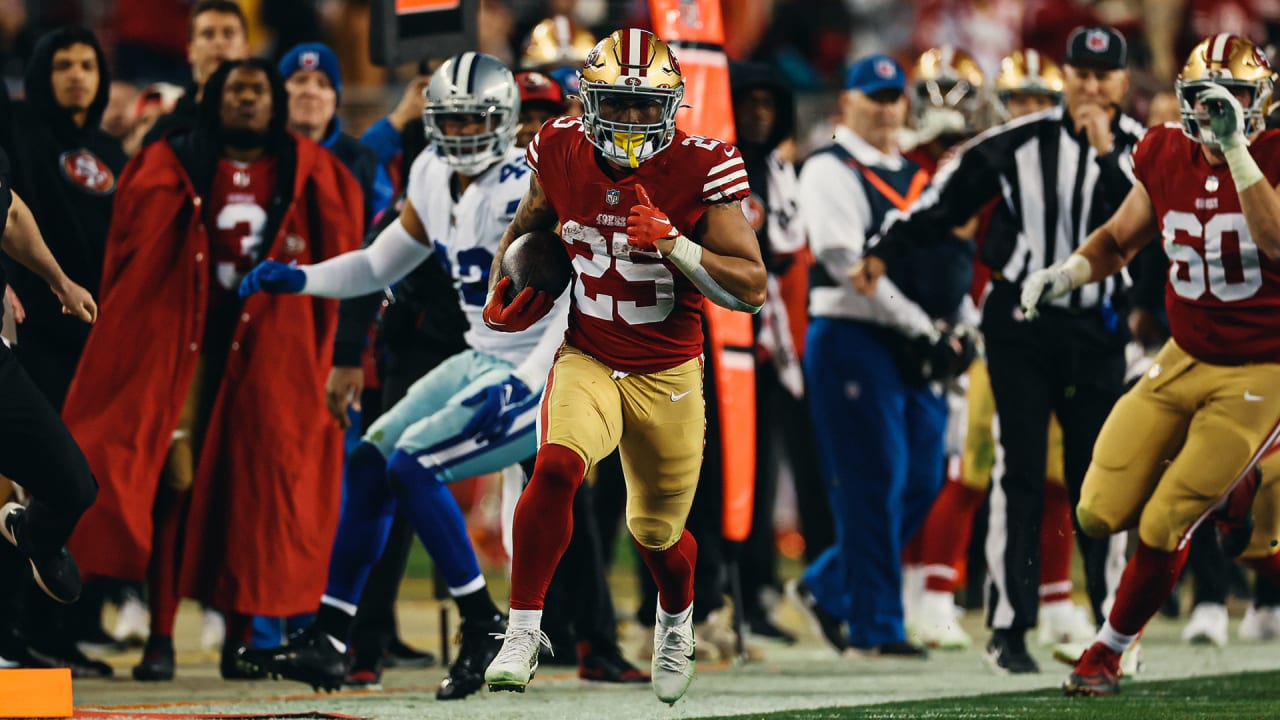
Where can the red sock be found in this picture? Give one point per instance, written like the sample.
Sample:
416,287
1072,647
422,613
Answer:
1147,581
166,555
672,571
543,524
1056,535
944,537
1267,567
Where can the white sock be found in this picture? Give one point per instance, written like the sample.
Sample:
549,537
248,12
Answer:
668,620
1115,640
525,619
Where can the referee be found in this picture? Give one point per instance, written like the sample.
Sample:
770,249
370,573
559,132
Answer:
36,450
1058,175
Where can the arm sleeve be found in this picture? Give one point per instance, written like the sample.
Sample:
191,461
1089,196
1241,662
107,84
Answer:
390,257
957,192
385,140
536,366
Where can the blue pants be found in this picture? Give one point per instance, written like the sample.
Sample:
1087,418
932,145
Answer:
880,444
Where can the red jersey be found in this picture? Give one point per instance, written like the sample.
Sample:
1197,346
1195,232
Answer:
238,211
632,310
1223,294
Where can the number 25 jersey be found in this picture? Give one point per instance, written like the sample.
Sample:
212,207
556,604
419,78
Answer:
1223,294
632,310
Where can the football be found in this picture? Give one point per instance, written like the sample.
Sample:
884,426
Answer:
538,260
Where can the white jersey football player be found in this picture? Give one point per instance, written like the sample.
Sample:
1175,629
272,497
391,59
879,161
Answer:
473,414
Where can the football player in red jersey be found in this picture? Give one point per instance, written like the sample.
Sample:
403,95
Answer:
629,374
1194,427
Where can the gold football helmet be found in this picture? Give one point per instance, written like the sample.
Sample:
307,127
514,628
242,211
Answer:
1027,71
556,42
948,94
1236,64
631,69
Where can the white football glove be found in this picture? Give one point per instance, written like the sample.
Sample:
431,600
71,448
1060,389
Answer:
1225,117
1043,286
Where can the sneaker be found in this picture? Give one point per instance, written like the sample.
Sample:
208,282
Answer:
133,623
605,663
1260,624
401,655
56,573
310,657
673,659
157,661
1097,673
480,642
1207,626
213,630
938,622
1064,622
824,624
517,661
1007,654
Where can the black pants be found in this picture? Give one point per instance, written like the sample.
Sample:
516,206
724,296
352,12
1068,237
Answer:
1064,363
374,627
38,452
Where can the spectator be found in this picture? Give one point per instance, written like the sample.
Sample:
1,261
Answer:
250,466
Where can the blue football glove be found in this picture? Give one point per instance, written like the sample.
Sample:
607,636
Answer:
273,277
496,408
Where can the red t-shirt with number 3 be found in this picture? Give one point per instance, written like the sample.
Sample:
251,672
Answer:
237,218
1223,294
632,310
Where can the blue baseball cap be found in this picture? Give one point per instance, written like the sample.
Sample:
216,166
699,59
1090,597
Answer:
874,73
313,56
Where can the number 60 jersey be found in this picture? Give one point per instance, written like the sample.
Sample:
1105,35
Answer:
1223,294
632,310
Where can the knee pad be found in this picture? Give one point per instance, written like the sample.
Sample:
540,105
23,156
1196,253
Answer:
653,533
1093,525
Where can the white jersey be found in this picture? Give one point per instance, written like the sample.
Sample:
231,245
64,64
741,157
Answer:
466,233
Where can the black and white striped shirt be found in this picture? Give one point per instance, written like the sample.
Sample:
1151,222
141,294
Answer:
1053,190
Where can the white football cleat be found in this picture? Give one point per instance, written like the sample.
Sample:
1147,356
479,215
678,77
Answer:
1064,622
517,661
673,657
939,622
213,630
1208,625
133,624
1260,624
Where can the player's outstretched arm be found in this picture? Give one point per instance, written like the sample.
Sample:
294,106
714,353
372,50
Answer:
1107,249
23,242
724,264
398,249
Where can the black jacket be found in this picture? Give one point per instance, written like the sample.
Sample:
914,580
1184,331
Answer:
67,175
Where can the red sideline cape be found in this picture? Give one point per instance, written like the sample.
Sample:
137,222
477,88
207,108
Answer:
265,501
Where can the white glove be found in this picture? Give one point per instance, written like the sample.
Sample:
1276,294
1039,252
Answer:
1223,117
1052,283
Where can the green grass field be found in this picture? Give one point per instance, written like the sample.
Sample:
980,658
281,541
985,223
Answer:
1244,696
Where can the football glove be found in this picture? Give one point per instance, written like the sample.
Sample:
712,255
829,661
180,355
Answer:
1226,117
273,277
526,308
495,409
647,224
1044,286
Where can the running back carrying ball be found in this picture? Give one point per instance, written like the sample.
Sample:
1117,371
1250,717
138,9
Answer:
536,259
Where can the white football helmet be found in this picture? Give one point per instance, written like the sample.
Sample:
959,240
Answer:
472,83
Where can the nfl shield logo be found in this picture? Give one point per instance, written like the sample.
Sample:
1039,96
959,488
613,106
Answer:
612,196
309,60
1096,41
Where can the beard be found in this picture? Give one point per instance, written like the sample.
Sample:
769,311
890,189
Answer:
242,138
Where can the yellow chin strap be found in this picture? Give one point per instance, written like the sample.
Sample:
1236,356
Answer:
630,142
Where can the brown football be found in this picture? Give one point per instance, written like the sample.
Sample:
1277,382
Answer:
536,259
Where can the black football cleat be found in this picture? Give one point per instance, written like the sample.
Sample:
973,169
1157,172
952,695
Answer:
309,658
605,663
55,571
157,661
1007,654
480,643
903,649
233,666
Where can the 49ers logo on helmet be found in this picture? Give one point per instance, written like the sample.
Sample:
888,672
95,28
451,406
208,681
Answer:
675,64
88,171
